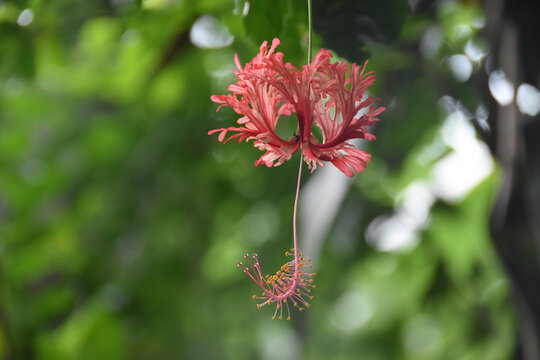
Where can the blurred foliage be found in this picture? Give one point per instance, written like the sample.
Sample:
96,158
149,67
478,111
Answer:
121,221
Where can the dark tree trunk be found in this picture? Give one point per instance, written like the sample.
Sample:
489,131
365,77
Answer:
513,37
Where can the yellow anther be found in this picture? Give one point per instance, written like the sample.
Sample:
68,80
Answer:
280,317
289,318
273,318
253,297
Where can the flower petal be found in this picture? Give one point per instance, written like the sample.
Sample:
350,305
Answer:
330,95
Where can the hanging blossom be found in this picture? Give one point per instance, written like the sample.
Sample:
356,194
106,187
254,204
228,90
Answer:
330,95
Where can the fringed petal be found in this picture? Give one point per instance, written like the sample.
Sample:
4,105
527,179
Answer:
330,95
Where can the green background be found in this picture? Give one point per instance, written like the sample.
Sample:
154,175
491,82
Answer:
122,221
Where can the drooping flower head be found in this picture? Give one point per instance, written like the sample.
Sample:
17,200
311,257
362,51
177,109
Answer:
331,96
328,96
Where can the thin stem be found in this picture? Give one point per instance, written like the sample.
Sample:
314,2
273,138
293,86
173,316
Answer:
310,31
295,237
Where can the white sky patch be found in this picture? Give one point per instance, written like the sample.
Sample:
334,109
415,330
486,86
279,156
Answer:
245,8
481,114
501,89
452,178
208,33
245,11
416,200
461,67
392,233
457,132
26,17
399,231
528,99
474,52
455,175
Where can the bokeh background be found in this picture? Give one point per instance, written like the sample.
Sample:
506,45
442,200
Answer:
122,221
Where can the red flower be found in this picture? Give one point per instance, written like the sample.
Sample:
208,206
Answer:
329,95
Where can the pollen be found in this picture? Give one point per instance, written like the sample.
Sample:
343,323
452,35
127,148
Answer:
291,284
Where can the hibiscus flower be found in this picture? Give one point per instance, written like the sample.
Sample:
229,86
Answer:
331,96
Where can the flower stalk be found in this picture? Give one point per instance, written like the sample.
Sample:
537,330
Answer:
293,282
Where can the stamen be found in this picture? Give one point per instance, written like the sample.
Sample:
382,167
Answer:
291,281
